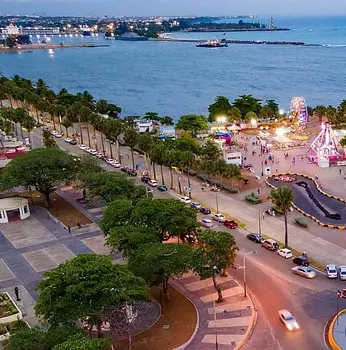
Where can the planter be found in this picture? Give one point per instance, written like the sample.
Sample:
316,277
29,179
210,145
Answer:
4,334
9,312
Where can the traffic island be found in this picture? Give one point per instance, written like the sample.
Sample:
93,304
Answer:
336,336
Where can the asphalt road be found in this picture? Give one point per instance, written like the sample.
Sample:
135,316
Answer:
272,286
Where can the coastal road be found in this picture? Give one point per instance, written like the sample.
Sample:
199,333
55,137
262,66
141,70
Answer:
272,286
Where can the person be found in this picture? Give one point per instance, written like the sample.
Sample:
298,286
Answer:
16,292
79,225
263,214
69,229
202,188
339,171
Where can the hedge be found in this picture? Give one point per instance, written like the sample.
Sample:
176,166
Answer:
301,221
252,198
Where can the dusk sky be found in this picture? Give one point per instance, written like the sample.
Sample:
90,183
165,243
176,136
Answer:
173,7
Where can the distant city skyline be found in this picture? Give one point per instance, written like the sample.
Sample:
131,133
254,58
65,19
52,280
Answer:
173,7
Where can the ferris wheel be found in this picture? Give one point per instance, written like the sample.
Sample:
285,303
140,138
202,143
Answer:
299,110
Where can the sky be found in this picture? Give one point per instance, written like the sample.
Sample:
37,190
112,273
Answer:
173,7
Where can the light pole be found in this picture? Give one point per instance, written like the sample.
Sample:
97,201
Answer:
244,268
217,199
216,341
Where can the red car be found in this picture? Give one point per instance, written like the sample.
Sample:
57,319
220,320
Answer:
230,224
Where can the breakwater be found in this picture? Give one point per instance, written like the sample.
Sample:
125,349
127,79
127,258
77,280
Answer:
244,42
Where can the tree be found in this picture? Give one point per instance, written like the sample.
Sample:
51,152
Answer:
85,286
166,121
37,338
273,106
117,213
157,156
67,124
29,123
131,140
266,112
79,342
48,140
145,144
187,143
320,111
157,262
220,108
44,168
210,151
234,115
192,123
113,129
128,238
112,186
282,198
249,117
153,116
231,171
169,217
343,141
102,106
216,251
247,103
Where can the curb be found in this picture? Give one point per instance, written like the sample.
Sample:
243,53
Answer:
332,343
251,328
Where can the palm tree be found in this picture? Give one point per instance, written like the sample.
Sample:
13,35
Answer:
145,144
51,111
166,121
188,161
48,140
113,129
66,123
29,124
19,116
153,116
282,198
84,114
157,155
94,121
60,111
131,140
232,171
169,156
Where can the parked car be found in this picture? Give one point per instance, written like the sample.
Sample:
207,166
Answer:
58,135
68,140
132,172
288,320
124,169
342,273
115,164
255,237
207,223
93,152
205,210
196,205
285,253
219,217
304,271
152,183
185,200
270,244
162,188
145,179
83,147
53,132
230,224
331,271
301,261
73,142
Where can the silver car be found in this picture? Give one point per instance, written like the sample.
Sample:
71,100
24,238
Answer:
331,271
342,273
304,271
288,320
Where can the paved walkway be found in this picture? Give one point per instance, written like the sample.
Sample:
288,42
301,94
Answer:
229,323
337,333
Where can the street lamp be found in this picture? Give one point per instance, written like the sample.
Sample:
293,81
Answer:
221,120
244,268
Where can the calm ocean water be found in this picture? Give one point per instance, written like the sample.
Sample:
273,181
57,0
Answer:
178,78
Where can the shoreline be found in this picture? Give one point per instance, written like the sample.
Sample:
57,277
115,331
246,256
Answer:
30,47
205,30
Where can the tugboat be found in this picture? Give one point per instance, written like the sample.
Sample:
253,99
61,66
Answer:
214,43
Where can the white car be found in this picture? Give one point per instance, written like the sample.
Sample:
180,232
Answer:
285,253
207,223
331,271
115,164
83,147
219,217
185,200
93,152
342,273
110,160
58,135
87,149
68,140
288,320
53,132
153,183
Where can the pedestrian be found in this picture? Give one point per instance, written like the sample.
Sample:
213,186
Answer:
79,225
276,170
128,156
339,171
69,229
202,188
265,162
263,214
258,191
16,292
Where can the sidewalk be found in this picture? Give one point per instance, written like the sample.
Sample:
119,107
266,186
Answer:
336,332
229,323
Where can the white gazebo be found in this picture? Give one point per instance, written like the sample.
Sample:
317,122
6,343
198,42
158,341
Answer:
14,208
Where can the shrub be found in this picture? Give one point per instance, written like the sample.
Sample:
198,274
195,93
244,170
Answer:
252,198
16,325
301,221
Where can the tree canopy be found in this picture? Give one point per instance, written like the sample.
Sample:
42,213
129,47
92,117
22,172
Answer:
84,286
79,342
46,169
192,123
220,108
247,103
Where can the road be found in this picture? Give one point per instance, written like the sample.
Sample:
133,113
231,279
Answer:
272,286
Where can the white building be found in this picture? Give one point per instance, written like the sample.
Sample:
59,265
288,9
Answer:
232,157
144,126
14,30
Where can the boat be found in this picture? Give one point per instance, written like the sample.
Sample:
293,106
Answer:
213,43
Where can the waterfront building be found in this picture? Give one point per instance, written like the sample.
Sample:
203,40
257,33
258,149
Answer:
15,30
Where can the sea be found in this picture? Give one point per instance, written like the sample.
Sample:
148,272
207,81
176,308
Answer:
176,78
